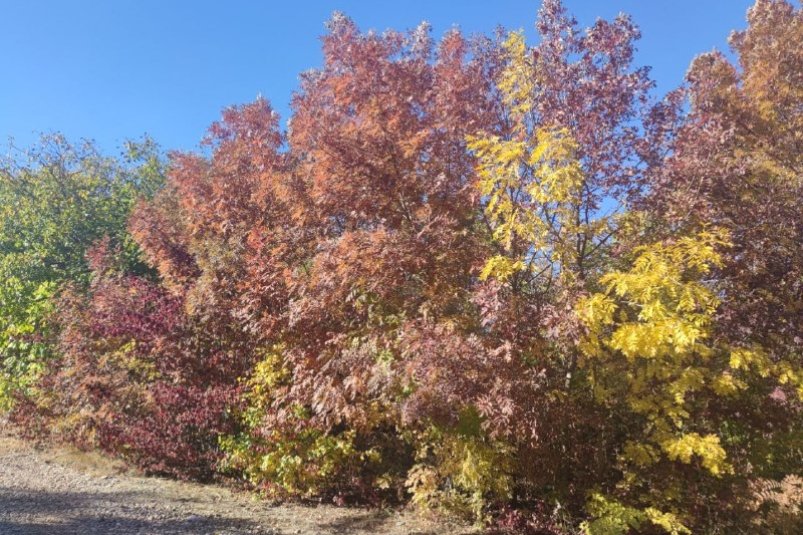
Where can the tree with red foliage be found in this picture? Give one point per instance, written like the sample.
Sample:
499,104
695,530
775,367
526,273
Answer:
149,369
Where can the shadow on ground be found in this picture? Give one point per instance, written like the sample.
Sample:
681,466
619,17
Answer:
78,513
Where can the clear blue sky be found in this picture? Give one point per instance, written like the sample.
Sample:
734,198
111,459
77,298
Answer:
115,69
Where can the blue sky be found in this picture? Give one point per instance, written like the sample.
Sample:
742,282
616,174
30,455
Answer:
115,69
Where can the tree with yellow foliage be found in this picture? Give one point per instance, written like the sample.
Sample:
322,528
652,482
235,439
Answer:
651,355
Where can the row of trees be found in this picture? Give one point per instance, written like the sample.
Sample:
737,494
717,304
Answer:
498,279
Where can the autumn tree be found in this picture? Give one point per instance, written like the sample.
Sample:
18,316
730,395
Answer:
378,137
735,163
56,200
149,367
555,182
730,171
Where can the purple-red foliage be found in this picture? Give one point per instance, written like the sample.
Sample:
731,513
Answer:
140,377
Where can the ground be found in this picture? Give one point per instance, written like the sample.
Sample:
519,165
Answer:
57,491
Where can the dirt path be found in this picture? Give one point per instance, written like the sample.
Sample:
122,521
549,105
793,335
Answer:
68,492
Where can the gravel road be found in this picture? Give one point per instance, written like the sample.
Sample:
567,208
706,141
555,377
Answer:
62,491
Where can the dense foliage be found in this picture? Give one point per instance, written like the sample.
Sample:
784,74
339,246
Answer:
55,201
494,279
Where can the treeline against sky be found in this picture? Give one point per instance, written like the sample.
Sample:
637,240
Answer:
495,280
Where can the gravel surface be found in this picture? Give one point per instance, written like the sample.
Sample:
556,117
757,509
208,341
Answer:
62,491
